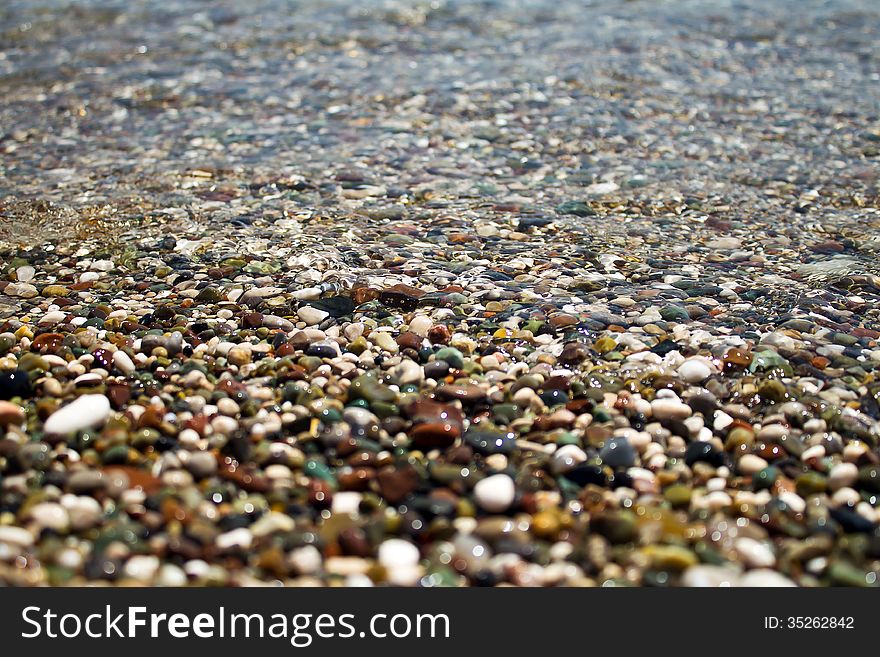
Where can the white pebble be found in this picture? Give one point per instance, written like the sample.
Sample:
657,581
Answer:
756,554
794,501
237,538
171,575
312,316
346,502
50,515
397,553
142,567
842,475
567,457
52,317
383,340
751,464
25,274
16,536
420,325
695,370
495,494
123,362
305,560
666,408
85,412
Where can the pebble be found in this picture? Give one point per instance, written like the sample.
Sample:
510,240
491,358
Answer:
495,493
312,316
10,414
694,370
396,553
665,409
755,554
842,475
50,515
142,567
618,453
84,412
122,361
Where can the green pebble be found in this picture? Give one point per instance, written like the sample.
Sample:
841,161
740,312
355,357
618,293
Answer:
367,386
452,356
678,496
843,573
7,342
810,483
384,409
319,470
672,313
765,478
772,390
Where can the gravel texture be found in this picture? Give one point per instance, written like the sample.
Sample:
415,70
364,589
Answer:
440,294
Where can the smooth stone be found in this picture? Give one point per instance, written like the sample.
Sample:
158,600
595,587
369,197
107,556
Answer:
201,464
452,356
239,356
396,553
323,349
272,523
51,318
756,554
618,453
703,452
402,296
431,435
567,457
586,474
312,316
396,483
420,325
21,290
383,340
10,414
25,274
123,362
50,515
408,372
843,475
333,306
666,409
490,442
368,387
495,493
85,412
142,567
694,370
751,464
16,536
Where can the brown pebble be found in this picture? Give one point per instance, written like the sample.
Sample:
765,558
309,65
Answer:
439,334
396,483
10,413
409,340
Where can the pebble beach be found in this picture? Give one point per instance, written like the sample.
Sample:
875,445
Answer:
497,293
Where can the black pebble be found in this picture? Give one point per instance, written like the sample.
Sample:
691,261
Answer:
703,452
